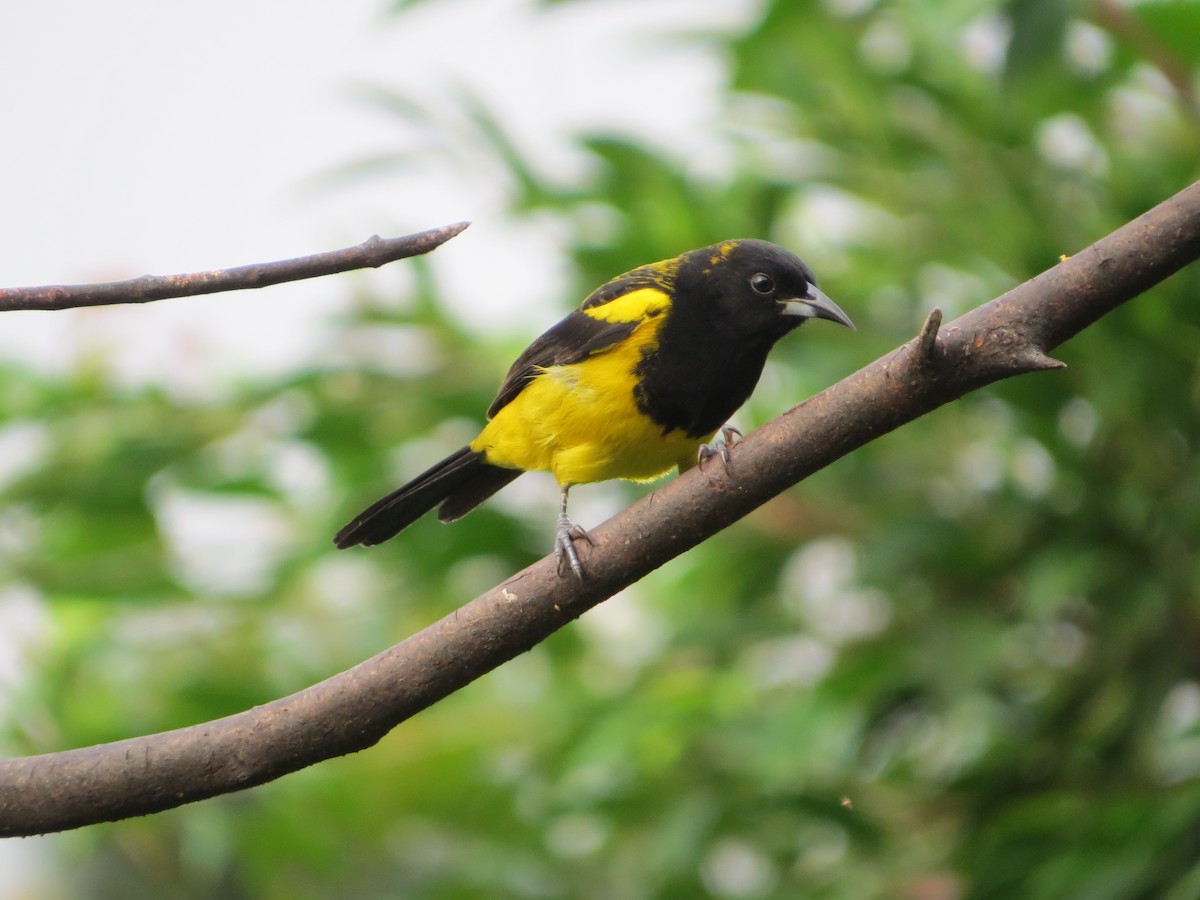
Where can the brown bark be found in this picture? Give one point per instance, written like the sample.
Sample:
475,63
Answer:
371,253
1009,336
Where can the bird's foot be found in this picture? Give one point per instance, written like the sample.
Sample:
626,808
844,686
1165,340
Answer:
719,447
564,546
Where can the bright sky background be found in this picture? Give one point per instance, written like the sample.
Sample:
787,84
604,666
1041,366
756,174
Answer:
150,137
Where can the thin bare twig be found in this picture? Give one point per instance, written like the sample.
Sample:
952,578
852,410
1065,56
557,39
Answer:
371,253
351,711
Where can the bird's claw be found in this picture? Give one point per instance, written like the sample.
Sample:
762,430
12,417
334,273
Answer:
564,546
719,447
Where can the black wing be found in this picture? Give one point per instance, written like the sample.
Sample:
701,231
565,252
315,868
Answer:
572,340
581,335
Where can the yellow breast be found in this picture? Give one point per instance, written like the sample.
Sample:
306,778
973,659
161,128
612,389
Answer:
581,421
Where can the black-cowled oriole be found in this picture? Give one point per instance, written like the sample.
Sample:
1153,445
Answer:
634,383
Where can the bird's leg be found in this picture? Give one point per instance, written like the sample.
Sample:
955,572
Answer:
719,447
564,540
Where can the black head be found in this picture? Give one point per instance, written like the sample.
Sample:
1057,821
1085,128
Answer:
730,303
755,288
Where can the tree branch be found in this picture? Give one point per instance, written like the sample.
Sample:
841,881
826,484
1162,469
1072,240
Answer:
352,711
371,253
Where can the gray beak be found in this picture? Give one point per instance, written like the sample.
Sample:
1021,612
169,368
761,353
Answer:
815,305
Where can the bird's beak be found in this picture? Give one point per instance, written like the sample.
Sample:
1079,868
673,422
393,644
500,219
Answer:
815,305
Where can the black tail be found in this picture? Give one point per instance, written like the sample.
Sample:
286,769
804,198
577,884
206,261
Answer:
459,483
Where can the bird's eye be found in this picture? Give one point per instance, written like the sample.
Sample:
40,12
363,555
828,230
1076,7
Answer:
762,283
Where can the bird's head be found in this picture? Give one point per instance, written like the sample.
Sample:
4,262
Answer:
757,287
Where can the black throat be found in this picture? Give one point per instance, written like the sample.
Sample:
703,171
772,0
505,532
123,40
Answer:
698,375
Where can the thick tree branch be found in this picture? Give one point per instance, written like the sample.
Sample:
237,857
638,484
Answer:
371,253
351,711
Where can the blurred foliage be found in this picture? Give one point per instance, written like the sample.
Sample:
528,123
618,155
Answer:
960,663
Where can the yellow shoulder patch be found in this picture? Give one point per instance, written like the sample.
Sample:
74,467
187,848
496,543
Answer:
644,303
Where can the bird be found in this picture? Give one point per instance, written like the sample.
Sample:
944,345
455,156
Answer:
641,379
